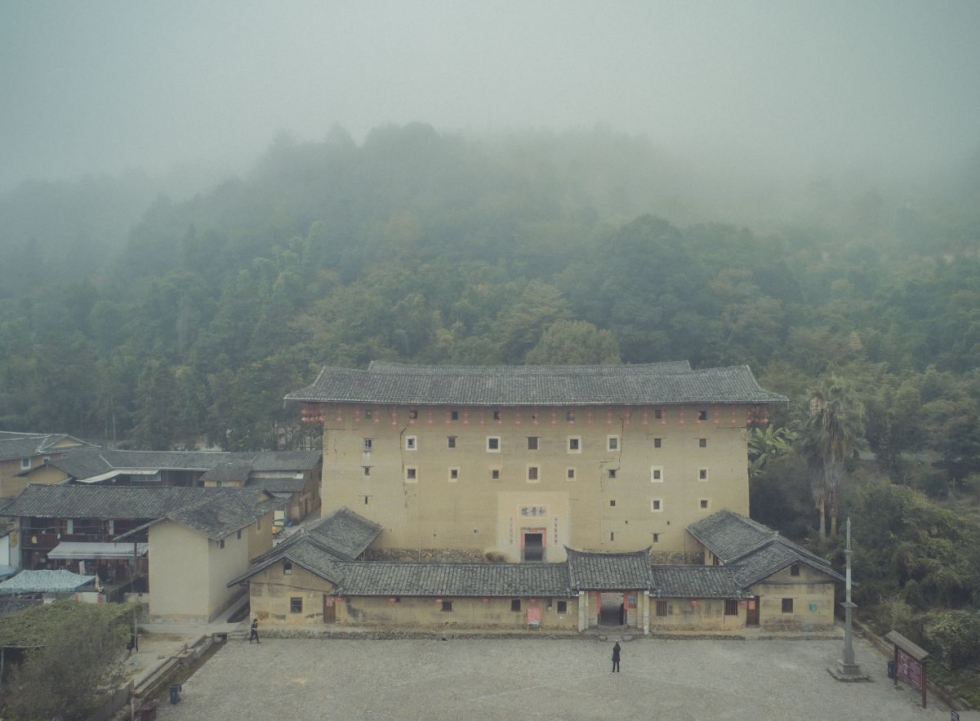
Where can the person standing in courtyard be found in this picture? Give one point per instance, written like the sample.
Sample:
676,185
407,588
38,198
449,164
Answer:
254,636
615,658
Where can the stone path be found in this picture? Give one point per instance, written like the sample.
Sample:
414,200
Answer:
541,679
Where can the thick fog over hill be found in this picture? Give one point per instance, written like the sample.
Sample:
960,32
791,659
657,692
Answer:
757,86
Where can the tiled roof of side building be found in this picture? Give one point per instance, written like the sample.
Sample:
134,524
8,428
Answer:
305,552
26,445
219,513
110,502
729,535
609,571
286,460
455,579
646,384
774,557
694,582
345,533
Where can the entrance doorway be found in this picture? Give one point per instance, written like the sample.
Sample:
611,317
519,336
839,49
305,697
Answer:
532,546
329,609
613,609
752,612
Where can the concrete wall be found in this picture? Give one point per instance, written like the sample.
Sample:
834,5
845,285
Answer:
189,572
178,572
684,614
260,536
271,591
455,500
12,485
474,613
812,594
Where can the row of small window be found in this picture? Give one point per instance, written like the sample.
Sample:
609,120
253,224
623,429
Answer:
494,443
454,415
533,474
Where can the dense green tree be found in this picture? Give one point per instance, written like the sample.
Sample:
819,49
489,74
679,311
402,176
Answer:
833,430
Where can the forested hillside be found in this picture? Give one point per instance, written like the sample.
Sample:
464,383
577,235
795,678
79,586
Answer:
584,247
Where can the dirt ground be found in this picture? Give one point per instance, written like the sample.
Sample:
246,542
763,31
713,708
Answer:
541,679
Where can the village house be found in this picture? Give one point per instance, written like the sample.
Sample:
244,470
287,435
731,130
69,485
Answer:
22,454
521,462
291,475
179,545
308,580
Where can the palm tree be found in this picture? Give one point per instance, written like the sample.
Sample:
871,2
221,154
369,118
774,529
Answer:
833,430
767,444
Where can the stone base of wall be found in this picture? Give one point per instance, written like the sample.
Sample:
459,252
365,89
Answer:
427,555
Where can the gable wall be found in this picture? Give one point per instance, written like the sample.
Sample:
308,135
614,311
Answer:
810,588
270,592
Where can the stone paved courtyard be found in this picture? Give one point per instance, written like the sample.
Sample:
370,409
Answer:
540,679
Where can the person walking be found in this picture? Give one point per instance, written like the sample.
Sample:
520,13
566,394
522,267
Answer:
254,636
615,658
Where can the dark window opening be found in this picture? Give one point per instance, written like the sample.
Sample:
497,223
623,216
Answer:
515,604
296,605
447,606
787,605
731,608
563,607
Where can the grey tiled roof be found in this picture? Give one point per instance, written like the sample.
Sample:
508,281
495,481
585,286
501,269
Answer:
455,579
221,511
345,533
44,581
26,445
304,552
232,470
694,582
730,535
752,550
609,571
88,463
201,508
647,384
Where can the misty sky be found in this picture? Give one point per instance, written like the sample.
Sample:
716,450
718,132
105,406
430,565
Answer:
93,86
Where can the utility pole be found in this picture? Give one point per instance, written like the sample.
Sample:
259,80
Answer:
847,669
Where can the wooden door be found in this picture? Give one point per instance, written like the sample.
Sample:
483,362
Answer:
752,612
329,609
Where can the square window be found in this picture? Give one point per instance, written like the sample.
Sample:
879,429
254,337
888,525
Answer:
451,442
532,443
656,538
731,608
563,607
367,470
702,442
612,443
569,415
493,444
658,442
453,475
612,472
447,606
703,414
368,414
413,414
612,502
515,604
25,462
368,445
787,605
656,474
411,474
656,505
702,474
532,473
411,443
704,503
496,414
454,415
570,474
296,604
287,568
574,444
494,474
658,413
661,608
794,570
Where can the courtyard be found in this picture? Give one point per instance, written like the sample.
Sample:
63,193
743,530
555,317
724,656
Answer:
756,680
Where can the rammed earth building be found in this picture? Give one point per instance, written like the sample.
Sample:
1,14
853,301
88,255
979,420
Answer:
522,461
